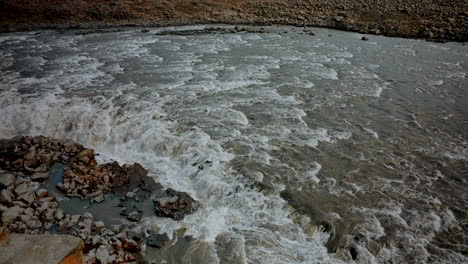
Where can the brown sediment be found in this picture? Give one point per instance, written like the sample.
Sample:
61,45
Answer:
433,19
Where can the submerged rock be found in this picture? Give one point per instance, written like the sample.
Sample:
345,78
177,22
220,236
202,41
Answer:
157,241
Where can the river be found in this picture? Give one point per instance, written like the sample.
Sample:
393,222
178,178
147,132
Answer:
299,148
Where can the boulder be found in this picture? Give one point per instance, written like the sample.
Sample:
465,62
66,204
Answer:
33,249
174,204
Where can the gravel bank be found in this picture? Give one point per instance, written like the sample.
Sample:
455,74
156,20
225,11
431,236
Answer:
433,19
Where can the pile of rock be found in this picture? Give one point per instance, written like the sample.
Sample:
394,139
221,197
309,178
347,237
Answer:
27,208
26,205
86,179
35,154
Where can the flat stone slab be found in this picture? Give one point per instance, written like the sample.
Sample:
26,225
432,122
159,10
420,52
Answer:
41,249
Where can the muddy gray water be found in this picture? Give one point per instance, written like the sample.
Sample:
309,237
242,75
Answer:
365,139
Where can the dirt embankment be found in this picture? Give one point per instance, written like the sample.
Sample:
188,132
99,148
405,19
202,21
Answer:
431,19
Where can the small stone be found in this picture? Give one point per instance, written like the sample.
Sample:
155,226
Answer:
28,198
116,228
6,196
29,211
137,236
11,214
364,38
23,188
7,180
103,256
88,215
99,199
59,215
135,216
99,225
124,212
157,240
41,193
39,176
130,195
49,214
74,219
34,224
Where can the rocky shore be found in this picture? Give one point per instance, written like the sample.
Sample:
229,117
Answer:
433,20
42,178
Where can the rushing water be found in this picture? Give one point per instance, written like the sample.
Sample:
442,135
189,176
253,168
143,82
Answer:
275,134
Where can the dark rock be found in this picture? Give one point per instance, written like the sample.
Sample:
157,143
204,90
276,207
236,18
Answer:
353,253
157,241
174,204
364,38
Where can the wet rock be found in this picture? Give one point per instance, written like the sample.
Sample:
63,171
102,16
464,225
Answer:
99,199
353,252
117,228
137,236
157,241
11,214
364,38
130,195
7,180
174,204
135,216
98,225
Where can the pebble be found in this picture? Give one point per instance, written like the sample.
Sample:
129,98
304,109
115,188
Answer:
7,180
41,193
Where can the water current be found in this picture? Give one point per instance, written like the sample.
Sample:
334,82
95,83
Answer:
299,148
